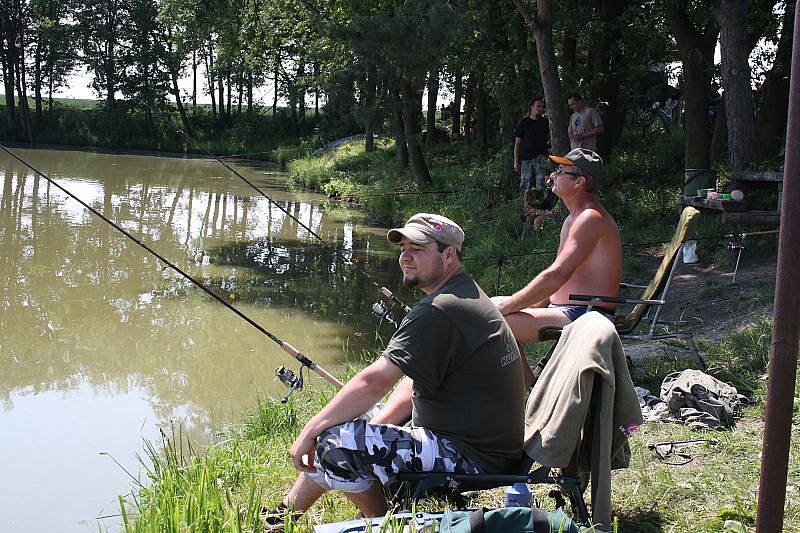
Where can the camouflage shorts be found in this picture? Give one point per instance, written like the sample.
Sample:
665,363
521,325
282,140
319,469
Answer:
351,456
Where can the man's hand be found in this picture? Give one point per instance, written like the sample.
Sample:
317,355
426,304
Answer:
500,302
516,168
304,445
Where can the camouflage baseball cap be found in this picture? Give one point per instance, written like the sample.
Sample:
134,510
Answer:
586,160
423,228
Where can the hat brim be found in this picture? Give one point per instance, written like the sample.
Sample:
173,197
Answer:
412,234
558,160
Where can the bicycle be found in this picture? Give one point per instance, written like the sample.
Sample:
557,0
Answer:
641,117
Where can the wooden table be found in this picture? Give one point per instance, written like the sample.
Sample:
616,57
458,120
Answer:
739,212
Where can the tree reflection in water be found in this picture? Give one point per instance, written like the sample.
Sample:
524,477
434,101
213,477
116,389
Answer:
80,304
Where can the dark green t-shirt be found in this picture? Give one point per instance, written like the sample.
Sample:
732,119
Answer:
468,384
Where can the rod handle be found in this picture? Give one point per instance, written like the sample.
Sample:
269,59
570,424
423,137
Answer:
389,294
294,352
327,376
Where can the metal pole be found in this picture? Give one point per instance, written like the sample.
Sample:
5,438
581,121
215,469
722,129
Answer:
783,356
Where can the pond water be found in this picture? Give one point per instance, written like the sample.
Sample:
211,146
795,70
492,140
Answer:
101,347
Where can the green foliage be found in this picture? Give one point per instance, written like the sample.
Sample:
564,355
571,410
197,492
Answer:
259,135
650,163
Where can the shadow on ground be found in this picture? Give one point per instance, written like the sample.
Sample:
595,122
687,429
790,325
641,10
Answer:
640,521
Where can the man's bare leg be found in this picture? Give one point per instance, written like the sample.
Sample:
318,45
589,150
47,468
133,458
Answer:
371,502
303,494
525,324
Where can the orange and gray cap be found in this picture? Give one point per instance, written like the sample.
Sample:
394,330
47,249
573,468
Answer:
586,160
423,228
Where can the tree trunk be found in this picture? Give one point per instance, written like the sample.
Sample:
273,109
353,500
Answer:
732,16
455,107
398,128
719,135
368,107
229,96
209,61
316,90
774,102
176,93
221,95
249,90
50,82
410,98
469,109
508,108
482,111
430,116
22,87
240,93
548,69
194,79
275,80
110,53
301,93
8,69
37,78
697,57
606,69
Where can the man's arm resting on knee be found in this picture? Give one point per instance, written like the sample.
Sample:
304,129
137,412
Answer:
581,240
359,394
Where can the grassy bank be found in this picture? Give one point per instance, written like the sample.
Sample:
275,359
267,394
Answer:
224,487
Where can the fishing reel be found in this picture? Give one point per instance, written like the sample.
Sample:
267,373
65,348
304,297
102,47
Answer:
383,312
290,379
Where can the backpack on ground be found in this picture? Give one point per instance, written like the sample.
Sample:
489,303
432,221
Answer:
507,520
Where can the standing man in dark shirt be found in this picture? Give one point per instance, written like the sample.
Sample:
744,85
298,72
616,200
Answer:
531,146
458,356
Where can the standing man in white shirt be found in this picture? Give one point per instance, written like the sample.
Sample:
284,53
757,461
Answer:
584,125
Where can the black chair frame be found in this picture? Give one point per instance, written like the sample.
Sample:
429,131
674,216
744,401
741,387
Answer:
414,485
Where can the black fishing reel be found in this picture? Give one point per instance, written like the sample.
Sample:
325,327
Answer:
290,379
382,312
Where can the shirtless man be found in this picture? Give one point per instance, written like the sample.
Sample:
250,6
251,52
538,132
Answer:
589,259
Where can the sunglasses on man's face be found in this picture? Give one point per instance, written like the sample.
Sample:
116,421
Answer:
568,173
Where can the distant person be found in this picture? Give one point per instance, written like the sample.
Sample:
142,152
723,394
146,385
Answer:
589,258
584,125
531,146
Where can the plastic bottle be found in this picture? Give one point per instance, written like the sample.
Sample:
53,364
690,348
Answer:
518,495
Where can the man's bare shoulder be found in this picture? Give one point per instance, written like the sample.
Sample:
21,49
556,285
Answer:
596,218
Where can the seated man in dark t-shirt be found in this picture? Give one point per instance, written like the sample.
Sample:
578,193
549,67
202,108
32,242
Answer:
458,356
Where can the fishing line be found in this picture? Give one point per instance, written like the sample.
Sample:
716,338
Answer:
383,290
285,346
386,292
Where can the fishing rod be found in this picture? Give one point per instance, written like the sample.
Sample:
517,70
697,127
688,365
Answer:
737,245
292,380
383,290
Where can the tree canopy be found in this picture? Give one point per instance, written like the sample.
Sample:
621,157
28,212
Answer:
364,66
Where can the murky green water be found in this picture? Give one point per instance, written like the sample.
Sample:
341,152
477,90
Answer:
100,346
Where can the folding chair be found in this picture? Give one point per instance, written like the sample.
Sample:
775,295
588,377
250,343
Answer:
414,485
644,322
